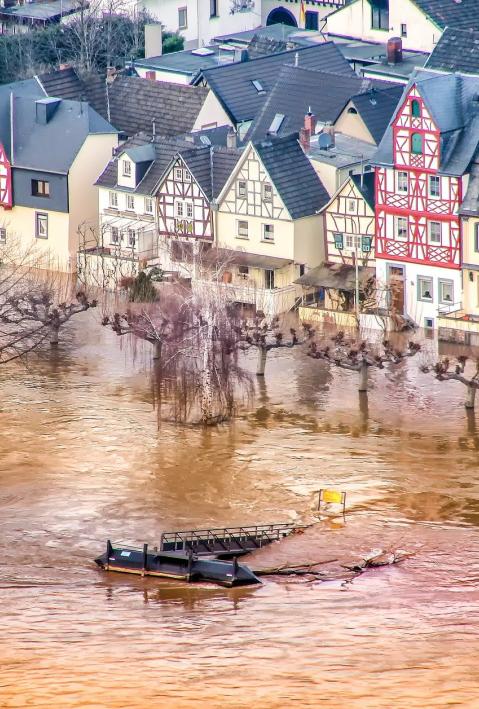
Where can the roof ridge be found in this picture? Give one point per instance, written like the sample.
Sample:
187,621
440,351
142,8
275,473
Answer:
268,56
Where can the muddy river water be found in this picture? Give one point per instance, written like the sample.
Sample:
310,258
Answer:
82,459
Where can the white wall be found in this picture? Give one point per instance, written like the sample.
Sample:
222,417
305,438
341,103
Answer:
171,76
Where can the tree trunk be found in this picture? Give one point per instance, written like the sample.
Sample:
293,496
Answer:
262,354
157,350
54,332
206,384
363,377
470,397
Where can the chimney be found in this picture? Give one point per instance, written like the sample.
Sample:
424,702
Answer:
153,40
310,122
329,130
111,73
63,67
394,50
305,139
231,138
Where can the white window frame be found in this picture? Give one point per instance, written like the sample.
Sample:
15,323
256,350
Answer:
183,10
352,242
350,205
402,174
115,230
186,176
421,297
178,173
190,212
130,203
397,234
41,225
113,200
239,191
126,168
148,205
431,178
131,234
179,208
440,284
268,233
240,225
267,192
3,235
429,233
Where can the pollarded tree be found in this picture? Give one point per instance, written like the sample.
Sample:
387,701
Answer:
360,356
267,336
445,371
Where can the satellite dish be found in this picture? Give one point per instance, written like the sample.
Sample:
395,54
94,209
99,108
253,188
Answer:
324,141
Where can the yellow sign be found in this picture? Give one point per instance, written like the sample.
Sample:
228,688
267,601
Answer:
332,496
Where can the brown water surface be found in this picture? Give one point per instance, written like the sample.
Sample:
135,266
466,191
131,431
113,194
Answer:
81,459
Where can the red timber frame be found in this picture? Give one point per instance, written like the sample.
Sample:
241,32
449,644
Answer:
416,205
5,180
174,189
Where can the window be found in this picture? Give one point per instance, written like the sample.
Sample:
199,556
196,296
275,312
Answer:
424,288
429,323
178,173
131,235
189,210
182,18
267,192
186,176
41,225
179,209
401,228
380,14
242,188
416,144
338,241
434,186
269,278
3,235
242,230
434,232
243,272
403,182
415,108
114,235
213,8
113,200
351,205
258,86
311,20
126,168
476,237
353,242
446,291
40,188
403,30
268,232
148,205
130,202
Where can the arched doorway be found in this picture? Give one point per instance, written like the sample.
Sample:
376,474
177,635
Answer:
281,16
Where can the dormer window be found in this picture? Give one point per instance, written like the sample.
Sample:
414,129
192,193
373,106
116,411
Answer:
415,109
352,110
126,168
416,144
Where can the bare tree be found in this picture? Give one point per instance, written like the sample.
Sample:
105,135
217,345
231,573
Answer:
360,356
267,336
445,371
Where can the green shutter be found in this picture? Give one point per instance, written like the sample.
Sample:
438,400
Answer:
416,143
339,241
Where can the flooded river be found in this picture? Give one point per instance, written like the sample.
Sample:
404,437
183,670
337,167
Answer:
82,459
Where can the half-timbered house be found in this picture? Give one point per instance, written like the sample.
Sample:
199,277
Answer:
268,217
422,167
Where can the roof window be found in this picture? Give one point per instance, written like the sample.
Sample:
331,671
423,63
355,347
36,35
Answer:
276,124
258,86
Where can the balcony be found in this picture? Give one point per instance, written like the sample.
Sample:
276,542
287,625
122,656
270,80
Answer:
455,325
271,301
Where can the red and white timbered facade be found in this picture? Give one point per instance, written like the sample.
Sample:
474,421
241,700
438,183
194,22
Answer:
183,209
5,180
417,217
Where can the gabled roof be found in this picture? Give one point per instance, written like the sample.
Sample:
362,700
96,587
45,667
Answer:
241,99
28,87
63,83
210,166
457,50
452,100
293,176
451,13
365,186
376,108
297,90
54,145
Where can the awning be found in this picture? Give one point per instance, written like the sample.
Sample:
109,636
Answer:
242,258
340,276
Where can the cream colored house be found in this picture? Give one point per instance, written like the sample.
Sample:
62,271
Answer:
419,23
51,156
268,221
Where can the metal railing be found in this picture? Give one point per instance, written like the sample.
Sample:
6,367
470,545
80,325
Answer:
225,540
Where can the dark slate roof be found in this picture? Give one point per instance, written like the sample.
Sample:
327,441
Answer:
457,50
470,204
376,108
45,11
262,46
366,187
63,83
291,172
29,87
210,167
452,102
52,146
233,83
451,13
297,90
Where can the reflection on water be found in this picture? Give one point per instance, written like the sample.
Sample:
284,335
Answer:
82,459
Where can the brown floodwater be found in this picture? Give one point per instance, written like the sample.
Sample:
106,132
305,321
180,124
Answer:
82,459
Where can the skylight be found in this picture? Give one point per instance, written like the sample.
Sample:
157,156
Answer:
276,123
258,86
203,51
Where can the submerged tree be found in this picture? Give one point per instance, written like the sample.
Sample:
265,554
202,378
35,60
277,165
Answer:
267,336
445,371
360,356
